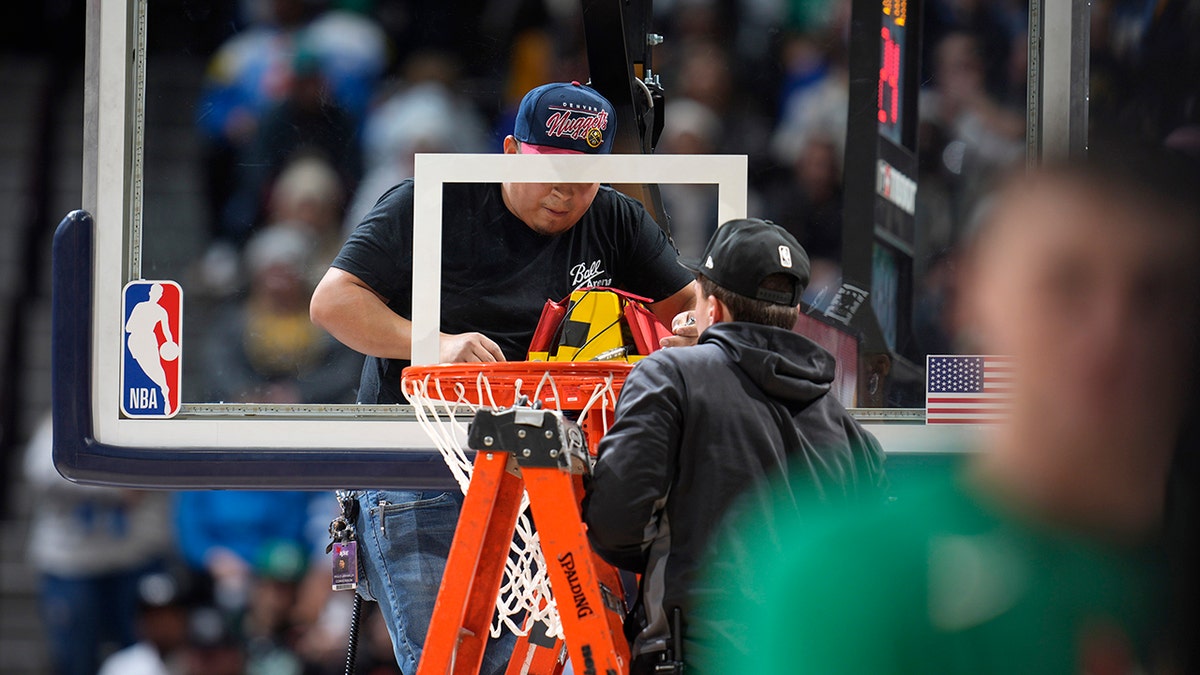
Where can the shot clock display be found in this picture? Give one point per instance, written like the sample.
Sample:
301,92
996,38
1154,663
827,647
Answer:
891,68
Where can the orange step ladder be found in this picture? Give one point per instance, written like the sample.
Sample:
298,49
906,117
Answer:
545,454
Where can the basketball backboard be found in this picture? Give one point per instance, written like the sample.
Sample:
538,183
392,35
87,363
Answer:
99,250
213,443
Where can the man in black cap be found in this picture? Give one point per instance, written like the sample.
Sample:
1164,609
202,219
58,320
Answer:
700,431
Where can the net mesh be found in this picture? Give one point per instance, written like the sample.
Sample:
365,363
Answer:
445,399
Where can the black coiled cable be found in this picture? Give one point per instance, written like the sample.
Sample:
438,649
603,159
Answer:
352,647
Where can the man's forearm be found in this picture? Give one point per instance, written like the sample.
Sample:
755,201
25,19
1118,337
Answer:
358,318
388,337
682,301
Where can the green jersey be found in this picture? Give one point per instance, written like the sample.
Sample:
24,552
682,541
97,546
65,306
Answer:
940,581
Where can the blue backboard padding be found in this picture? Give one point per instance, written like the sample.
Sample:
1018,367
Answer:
80,457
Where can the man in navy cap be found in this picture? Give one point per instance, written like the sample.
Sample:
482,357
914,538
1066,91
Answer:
510,247
697,429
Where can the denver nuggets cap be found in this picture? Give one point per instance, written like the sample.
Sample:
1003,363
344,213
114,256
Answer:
743,252
566,116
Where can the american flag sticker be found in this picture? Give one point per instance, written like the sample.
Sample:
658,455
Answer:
967,389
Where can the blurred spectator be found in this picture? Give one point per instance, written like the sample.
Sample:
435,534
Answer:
269,625
250,73
998,26
223,533
306,121
556,52
942,207
932,323
318,619
688,20
815,93
164,603
1106,76
323,636
214,646
431,84
809,141
705,75
374,655
308,196
1043,553
965,136
531,62
265,348
984,134
423,117
809,202
90,546
353,53
693,130
293,79
1157,66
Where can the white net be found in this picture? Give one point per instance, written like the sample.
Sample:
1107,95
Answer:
444,409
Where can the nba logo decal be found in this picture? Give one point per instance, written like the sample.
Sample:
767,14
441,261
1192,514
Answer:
150,365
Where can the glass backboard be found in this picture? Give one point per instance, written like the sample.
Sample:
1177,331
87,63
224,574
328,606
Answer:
126,234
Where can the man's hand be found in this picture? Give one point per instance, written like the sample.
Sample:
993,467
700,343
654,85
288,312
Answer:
684,328
469,348
678,308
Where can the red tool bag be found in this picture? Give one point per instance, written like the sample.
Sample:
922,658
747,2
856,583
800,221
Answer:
597,323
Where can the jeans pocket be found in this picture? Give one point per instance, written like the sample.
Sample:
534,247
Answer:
423,524
423,501
417,536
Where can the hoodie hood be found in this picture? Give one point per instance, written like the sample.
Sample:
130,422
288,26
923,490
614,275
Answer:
783,364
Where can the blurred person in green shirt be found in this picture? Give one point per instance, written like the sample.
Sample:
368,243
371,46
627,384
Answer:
1042,552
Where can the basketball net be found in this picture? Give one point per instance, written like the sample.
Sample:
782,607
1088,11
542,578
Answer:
445,399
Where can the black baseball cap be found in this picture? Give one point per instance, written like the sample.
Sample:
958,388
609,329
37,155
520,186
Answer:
566,116
743,252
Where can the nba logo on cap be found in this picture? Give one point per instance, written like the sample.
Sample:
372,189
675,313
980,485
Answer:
785,256
150,365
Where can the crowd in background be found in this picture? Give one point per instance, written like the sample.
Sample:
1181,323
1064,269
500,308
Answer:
311,109
189,583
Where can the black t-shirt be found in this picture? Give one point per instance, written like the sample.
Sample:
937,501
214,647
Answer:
497,273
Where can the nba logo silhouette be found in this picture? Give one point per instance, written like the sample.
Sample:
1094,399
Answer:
150,366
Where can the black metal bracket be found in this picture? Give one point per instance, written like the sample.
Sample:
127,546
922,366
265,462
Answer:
534,437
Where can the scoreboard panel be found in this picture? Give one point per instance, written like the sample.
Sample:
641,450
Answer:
881,186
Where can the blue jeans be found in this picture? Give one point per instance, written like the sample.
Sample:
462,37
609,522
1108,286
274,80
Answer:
404,538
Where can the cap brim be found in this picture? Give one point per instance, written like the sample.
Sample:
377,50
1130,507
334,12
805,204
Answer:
531,149
690,264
